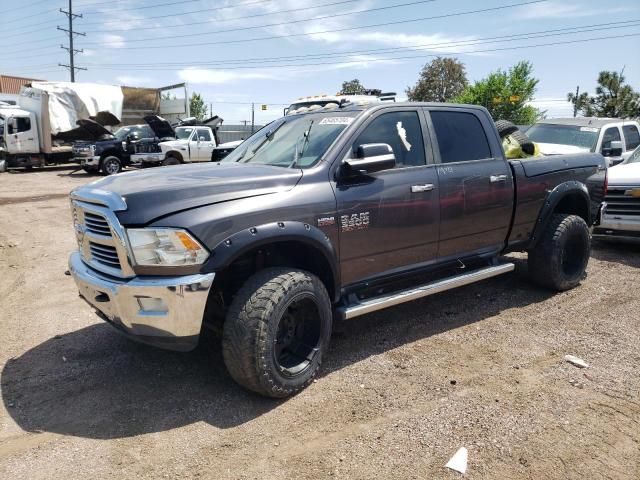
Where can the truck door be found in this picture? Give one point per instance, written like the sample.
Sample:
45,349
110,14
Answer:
476,185
206,144
22,136
388,220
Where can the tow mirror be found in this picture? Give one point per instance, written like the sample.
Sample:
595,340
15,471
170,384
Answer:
13,123
371,158
614,149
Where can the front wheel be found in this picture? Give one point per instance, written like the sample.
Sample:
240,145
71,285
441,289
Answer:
171,161
276,331
560,258
111,165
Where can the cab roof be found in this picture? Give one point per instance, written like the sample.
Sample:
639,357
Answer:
582,121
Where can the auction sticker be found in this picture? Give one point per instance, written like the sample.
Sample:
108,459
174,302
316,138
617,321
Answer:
336,121
588,129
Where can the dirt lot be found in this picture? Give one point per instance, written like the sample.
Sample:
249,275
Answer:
401,390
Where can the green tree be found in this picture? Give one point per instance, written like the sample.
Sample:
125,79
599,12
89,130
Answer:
613,98
506,94
197,107
353,87
440,80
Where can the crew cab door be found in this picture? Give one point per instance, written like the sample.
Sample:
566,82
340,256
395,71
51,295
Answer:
206,144
22,134
475,183
388,220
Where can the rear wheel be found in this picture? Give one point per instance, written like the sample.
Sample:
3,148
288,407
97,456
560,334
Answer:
560,258
276,331
111,165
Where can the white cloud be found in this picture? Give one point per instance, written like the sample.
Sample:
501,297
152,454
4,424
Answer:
111,40
133,81
435,42
219,77
556,9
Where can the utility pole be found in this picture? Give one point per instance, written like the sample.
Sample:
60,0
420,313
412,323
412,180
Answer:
575,102
253,116
210,109
70,15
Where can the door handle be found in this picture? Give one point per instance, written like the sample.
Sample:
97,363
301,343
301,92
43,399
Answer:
422,188
498,178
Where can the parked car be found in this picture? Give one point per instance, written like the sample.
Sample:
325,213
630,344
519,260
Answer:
224,149
324,217
110,152
620,215
613,137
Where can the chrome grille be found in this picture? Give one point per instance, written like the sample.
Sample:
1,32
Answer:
621,201
97,224
101,238
104,254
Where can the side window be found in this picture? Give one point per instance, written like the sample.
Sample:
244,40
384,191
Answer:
24,124
204,135
400,130
631,136
611,134
461,136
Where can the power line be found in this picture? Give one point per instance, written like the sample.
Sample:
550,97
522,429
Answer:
523,36
397,22
71,16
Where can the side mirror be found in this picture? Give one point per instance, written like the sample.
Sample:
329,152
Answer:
614,149
371,158
201,139
13,125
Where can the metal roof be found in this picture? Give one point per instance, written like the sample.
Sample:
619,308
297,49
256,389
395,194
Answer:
10,84
596,122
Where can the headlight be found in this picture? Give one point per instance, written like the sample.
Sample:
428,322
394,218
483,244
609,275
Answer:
93,149
165,247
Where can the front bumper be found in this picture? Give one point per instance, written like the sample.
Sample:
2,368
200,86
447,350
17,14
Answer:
165,312
88,161
617,225
147,157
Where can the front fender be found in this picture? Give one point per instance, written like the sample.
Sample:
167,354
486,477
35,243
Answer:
236,245
573,189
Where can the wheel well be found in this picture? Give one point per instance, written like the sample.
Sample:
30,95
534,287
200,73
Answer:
574,204
175,154
294,254
110,153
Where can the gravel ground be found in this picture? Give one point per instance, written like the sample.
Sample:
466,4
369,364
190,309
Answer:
401,390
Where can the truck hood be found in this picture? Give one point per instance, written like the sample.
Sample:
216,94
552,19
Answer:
87,130
160,126
157,192
626,174
557,149
173,144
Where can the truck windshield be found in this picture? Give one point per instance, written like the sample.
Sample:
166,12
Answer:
121,133
583,137
293,142
183,133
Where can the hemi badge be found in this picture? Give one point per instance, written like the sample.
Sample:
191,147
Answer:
634,192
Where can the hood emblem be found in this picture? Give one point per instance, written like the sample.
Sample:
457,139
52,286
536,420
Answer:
633,192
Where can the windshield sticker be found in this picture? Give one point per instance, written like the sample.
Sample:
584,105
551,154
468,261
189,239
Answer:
402,133
589,129
336,121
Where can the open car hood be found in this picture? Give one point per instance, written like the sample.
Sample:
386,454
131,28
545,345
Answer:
87,130
161,127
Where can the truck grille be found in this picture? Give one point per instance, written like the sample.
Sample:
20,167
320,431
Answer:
97,224
620,201
101,238
105,254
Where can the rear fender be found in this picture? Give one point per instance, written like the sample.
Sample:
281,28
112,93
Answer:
568,197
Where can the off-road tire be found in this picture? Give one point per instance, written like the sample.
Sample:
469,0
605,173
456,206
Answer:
171,161
525,142
560,258
110,165
505,127
252,325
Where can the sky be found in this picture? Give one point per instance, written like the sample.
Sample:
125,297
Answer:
235,52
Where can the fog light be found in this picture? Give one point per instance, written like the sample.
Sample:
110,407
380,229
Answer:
152,305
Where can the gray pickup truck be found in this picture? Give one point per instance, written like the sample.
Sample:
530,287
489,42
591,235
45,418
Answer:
323,217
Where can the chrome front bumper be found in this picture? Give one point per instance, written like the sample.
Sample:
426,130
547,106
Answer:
166,312
88,161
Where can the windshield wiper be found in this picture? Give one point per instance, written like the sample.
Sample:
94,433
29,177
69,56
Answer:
298,154
267,138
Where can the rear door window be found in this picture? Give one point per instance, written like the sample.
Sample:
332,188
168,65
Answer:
461,136
631,136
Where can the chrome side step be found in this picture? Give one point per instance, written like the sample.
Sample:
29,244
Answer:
378,303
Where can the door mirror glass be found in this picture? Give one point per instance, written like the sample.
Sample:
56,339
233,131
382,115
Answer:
371,158
13,125
201,139
614,149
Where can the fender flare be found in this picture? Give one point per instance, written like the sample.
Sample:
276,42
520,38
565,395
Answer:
553,198
236,245
175,154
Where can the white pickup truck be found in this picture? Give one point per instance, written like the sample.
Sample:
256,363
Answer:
193,143
614,138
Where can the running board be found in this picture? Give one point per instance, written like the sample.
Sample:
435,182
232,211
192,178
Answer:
378,303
